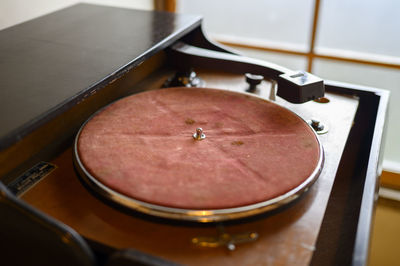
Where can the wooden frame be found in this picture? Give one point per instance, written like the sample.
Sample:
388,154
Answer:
165,5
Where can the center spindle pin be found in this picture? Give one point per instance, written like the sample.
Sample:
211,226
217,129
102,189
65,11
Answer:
199,135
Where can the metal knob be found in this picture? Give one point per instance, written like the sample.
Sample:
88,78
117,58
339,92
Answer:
318,126
199,135
253,80
184,78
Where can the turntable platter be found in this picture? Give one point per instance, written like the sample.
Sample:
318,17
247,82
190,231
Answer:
140,151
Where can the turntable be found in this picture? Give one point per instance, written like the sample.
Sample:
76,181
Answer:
134,139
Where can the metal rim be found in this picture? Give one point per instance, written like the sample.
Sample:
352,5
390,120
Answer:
195,215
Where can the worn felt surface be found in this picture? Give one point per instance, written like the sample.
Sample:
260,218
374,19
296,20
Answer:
142,147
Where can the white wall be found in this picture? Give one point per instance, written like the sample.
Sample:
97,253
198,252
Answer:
16,11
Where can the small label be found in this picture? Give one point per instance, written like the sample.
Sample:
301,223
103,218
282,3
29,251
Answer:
30,177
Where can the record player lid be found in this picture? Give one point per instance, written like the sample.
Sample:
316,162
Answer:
144,147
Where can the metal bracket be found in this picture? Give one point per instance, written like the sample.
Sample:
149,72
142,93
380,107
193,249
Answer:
295,87
224,239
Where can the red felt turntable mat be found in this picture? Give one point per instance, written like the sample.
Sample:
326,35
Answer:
142,146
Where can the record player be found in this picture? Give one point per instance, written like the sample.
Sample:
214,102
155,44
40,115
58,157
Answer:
129,137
